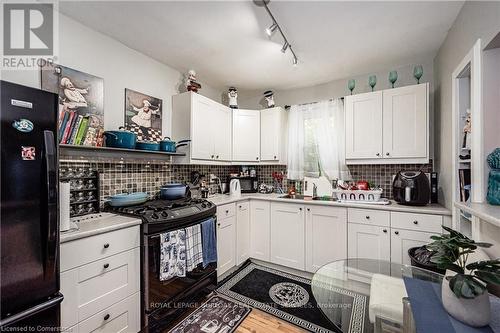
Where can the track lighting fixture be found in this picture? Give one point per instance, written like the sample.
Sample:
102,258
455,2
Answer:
275,26
285,47
270,31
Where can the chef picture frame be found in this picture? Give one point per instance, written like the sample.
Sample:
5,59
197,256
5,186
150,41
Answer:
143,115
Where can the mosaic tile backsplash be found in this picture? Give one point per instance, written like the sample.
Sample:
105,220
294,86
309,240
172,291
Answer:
118,177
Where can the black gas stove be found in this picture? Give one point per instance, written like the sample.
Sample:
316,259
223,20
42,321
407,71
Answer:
163,215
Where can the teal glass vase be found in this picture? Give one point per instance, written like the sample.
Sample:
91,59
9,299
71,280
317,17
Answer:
393,77
418,71
351,84
372,81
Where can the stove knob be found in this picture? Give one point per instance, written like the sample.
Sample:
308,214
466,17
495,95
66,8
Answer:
164,214
203,205
209,204
154,216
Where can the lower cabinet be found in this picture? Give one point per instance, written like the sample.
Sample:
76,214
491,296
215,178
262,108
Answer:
260,230
402,240
368,241
242,232
287,235
226,243
326,235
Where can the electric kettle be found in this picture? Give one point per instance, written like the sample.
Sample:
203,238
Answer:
235,188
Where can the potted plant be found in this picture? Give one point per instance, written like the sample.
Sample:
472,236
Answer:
464,293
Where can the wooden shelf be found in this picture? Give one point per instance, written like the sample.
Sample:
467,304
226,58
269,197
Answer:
108,152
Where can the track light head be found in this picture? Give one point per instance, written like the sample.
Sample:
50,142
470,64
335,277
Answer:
270,31
285,47
295,61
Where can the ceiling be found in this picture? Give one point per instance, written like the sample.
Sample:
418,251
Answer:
224,41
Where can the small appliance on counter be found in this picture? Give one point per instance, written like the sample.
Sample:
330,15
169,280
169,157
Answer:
235,188
248,184
411,188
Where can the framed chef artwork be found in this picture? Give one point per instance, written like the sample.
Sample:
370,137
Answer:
143,115
81,104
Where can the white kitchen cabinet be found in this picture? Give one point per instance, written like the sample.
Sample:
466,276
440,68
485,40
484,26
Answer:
288,235
272,135
226,242
368,241
363,126
209,126
246,135
389,126
406,132
326,235
260,229
402,240
242,232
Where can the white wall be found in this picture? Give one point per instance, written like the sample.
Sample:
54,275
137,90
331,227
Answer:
86,50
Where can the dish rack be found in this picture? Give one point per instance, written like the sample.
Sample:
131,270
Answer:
358,195
84,190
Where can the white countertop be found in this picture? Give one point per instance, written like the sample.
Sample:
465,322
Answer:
94,224
222,199
484,211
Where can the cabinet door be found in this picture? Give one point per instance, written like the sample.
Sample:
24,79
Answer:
203,114
226,244
405,122
221,132
287,235
242,232
363,126
367,241
270,135
260,229
326,235
246,135
402,240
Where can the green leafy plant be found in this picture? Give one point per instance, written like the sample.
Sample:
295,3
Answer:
451,251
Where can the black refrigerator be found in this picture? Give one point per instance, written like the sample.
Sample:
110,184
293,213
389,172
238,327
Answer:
29,271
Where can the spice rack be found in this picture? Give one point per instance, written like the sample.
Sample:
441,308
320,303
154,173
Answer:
84,190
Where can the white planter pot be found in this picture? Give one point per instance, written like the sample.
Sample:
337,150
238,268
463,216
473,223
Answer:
473,312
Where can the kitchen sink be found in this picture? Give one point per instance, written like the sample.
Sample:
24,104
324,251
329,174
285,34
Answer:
305,197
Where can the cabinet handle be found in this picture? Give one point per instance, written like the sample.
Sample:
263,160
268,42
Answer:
218,224
227,211
213,156
415,222
387,154
239,206
378,154
257,158
308,209
106,266
385,230
217,156
106,317
106,245
396,232
300,208
367,217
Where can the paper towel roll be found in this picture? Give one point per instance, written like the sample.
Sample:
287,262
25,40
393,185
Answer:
64,221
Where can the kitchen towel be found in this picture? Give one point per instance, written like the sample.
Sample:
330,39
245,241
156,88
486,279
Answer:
194,250
64,219
172,254
209,242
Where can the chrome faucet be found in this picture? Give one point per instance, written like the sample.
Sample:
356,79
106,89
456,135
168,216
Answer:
315,190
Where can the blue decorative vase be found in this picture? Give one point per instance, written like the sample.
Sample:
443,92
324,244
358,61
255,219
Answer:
493,195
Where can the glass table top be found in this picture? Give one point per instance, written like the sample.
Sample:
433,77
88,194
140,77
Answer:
367,295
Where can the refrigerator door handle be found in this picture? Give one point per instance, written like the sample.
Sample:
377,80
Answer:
52,201
31,311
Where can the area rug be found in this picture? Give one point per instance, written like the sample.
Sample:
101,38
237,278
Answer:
217,315
290,298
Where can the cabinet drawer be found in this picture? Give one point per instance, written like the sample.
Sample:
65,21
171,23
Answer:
91,288
123,316
418,222
86,250
226,210
369,216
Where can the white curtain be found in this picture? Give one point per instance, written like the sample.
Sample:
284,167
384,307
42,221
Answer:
316,141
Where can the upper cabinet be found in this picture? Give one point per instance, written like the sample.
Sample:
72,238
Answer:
208,125
246,135
272,135
389,126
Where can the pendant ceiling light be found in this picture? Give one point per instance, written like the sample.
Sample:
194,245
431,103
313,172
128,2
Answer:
271,30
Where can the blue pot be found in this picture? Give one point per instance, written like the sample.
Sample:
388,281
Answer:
120,139
171,146
174,191
126,199
147,145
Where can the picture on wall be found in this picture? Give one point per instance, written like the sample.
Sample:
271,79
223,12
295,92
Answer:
81,104
143,115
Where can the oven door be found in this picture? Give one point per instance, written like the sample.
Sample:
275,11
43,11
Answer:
164,295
